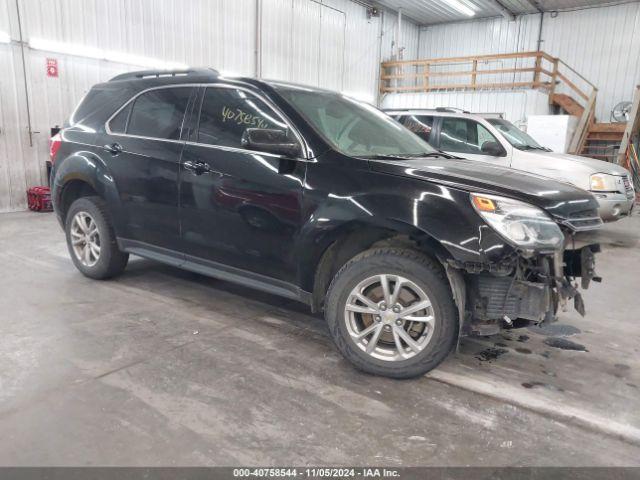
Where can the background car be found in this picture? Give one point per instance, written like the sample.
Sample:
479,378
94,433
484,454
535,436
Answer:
500,142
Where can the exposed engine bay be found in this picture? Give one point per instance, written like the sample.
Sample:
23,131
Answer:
525,289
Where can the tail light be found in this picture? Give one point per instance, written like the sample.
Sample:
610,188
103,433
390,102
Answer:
54,145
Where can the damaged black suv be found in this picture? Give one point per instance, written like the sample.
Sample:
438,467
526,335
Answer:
317,197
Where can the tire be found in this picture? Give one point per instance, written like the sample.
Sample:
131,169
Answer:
433,332
110,261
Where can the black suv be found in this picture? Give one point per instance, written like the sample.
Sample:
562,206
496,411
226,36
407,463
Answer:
314,196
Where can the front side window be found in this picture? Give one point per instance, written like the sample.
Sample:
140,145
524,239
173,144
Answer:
461,135
227,112
158,113
421,125
352,127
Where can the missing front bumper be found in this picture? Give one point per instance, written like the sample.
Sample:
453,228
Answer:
532,292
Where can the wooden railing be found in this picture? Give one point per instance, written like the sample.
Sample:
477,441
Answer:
528,69
504,71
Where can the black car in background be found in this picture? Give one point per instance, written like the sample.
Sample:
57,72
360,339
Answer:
317,197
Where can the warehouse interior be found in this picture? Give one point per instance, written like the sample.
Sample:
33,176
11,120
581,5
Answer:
164,367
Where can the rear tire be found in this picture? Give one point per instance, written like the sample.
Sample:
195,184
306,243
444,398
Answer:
408,337
91,239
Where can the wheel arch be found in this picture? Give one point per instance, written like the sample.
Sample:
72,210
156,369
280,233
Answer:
71,191
351,239
80,175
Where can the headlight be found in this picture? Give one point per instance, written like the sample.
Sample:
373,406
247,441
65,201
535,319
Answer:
520,223
602,182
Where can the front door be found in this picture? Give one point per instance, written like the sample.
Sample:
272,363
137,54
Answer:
467,138
239,208
142,147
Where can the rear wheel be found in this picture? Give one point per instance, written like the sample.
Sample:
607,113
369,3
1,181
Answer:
391,313
91,239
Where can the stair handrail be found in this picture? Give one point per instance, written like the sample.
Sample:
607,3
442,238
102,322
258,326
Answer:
579,137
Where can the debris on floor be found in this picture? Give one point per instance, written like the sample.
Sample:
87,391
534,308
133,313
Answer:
564,344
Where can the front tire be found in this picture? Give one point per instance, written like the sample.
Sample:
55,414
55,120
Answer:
391,312
91,239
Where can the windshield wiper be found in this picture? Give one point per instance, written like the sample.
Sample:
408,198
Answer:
437,155
533,147
397,156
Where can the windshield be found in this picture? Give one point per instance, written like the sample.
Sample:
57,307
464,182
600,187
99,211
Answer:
354,128
515,136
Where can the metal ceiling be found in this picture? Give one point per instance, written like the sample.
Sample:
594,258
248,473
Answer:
429,12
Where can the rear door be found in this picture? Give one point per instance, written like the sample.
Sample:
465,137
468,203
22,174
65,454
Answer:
468,138
239,208
143,144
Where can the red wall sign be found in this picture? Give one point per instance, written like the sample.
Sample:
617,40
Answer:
52,67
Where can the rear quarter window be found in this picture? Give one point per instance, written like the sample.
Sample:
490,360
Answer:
97,106
159,113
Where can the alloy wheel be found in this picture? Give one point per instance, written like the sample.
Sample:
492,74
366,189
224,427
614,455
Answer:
85,239
389,317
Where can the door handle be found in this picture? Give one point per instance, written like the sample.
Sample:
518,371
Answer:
114,148
197,168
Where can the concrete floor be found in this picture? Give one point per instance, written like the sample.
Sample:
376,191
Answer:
165,367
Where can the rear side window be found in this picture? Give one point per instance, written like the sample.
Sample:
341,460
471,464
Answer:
226,113
158,113
421,125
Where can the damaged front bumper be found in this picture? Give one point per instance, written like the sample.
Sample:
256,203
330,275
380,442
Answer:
524,289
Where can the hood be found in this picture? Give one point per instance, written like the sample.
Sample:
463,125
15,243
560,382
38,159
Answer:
559,199
564,167
597,166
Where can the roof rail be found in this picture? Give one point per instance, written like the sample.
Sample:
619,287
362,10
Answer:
142,74
451,110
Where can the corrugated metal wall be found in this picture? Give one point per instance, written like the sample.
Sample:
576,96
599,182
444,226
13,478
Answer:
494,35
409,38
328,43
602,44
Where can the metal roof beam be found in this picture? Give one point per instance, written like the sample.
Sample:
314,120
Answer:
505,12
535,5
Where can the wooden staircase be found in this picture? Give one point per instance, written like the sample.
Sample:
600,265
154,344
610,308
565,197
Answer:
567,103
599,140
603,141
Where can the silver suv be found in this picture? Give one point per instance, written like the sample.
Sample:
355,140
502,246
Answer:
499,142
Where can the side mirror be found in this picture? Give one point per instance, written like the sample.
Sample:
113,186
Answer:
493,148
271,140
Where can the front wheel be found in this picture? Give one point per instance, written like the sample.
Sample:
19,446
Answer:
391,312
91,239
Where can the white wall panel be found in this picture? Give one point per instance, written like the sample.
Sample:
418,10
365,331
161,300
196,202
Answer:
494,35
304,50
361,51
332,40
603,44
18,169
409,37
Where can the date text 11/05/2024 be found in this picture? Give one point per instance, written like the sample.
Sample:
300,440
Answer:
316,473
